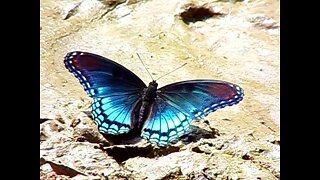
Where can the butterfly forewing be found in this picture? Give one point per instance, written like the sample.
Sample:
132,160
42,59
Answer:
200,97
115,90
100,76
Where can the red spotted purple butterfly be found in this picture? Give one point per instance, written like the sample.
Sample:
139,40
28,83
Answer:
122,102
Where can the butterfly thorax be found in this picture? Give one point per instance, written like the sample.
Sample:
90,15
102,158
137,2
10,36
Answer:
150,93
148,96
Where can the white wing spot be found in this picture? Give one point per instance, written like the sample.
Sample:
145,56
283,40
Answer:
105,125
114,127
98,111
179,129
214,105
154,136
146,134
74,54
198,114
100,117
172,133
206,109
163,138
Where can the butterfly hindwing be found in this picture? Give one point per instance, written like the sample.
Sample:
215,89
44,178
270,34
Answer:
179,103
115,90
113,113
166,124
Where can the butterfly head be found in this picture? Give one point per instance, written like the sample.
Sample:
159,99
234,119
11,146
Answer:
153,84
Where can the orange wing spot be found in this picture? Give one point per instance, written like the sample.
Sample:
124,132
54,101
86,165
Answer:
76,63
222,90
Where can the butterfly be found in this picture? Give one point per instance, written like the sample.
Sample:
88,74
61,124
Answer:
122,102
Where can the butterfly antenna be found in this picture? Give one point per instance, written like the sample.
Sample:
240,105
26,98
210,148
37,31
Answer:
144,66
171,71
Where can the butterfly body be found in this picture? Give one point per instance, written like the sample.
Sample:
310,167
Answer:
148,97
123,103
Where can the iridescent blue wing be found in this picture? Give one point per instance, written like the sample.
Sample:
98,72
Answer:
100,76
178,104
115,90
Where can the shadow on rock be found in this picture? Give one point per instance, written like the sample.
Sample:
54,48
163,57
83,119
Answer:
196,133
125,146
123,153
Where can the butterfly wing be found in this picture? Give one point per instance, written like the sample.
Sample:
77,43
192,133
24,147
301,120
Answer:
178,104
115,90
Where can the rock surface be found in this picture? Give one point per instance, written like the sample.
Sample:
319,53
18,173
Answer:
235,41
